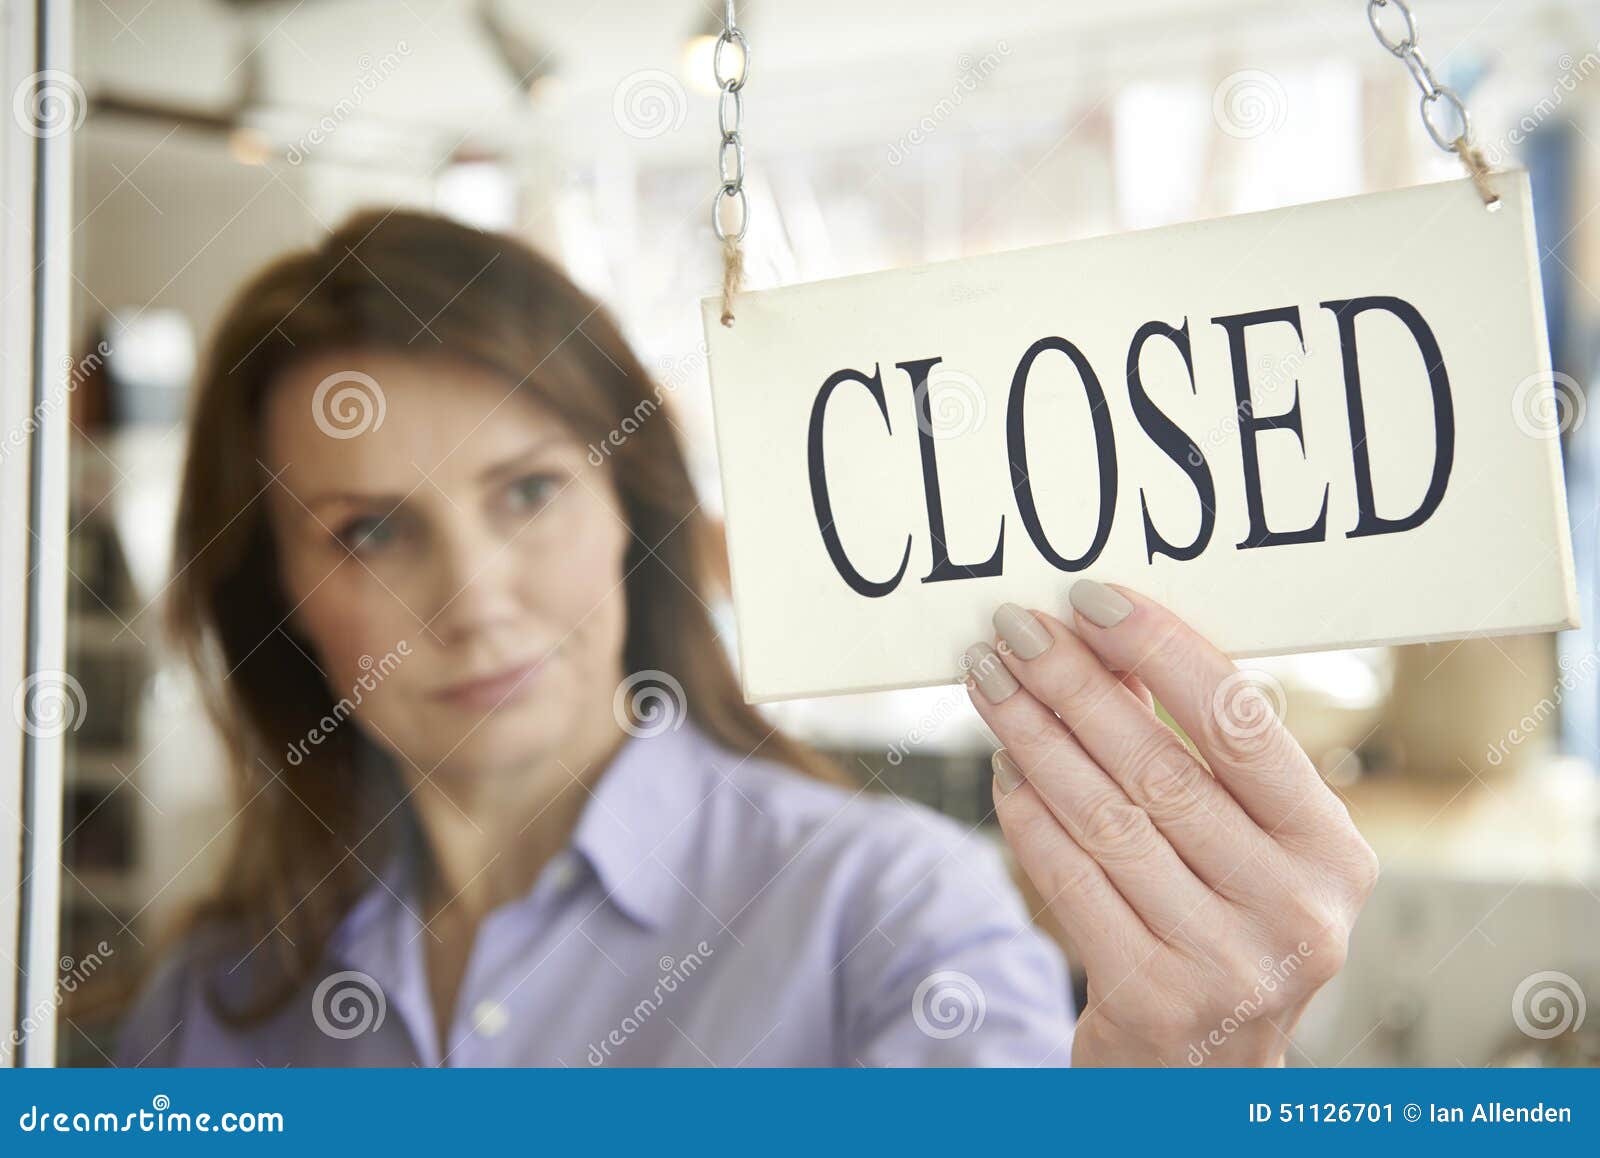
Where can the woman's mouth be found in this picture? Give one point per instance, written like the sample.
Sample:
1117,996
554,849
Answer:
488,692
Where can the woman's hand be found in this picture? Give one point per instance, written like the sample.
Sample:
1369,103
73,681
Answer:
1207,907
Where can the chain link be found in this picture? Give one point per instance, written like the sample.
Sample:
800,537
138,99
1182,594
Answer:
1434,94
730,118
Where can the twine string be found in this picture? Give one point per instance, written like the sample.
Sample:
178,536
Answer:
1478,169
732,276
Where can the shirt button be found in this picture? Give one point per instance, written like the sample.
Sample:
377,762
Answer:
489,1018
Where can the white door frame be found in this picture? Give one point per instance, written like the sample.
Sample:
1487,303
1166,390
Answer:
35,271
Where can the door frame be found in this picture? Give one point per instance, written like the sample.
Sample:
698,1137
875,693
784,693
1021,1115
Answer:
35,276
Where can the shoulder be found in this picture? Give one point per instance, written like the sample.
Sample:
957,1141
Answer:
890,854
792,805
171,1010
922,931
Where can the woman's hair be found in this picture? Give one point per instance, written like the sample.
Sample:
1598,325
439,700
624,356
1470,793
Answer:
378,283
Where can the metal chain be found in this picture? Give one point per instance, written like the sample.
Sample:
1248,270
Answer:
1434,95
730,116
1405,47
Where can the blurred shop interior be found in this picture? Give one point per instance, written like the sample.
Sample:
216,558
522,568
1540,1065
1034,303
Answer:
219,132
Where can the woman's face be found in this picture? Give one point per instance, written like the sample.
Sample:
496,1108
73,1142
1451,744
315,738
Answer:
465,522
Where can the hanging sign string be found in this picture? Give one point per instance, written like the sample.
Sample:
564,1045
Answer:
730,159
1433,95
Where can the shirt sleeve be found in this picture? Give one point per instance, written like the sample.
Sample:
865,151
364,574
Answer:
943,966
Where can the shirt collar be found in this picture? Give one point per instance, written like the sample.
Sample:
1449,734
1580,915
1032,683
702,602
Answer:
634,830
379,936
634,833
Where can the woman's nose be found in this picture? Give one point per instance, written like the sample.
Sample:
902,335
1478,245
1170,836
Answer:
474,583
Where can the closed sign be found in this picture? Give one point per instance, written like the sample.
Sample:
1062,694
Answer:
1317,427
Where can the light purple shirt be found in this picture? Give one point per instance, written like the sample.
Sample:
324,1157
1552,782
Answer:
711,909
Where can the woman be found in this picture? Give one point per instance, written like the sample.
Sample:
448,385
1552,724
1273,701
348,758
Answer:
500,801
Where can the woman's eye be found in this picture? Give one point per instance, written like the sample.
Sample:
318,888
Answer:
531,492
366,536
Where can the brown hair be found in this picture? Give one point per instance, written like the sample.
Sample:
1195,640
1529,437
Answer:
488,299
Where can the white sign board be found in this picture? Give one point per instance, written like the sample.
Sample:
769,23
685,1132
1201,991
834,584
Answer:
1316,427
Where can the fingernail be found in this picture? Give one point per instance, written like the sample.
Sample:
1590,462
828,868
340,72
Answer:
1006,772
1099,604
1021,631
990,673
